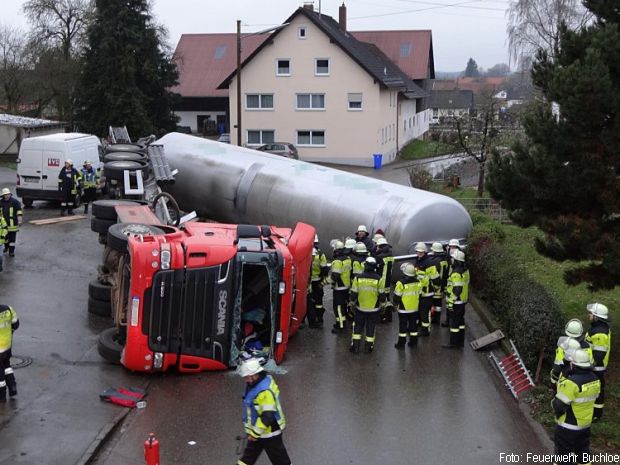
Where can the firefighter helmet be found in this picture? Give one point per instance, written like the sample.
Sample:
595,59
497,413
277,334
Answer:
437,247
377,236
408,269
6,191
573,328
350,244
69,161
316,238
314,252
249,367
581,359
454,243
570,345
87,162
360,247
459,255
337,245
382,241
421,247
362,228
598,310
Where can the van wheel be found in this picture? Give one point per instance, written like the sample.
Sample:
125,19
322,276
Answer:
118,234
99,307
27,203
104,209
110,345
100,226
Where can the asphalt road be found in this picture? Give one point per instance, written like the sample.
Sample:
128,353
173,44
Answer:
423,405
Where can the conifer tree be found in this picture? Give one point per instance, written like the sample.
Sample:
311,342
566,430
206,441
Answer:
566,178
126,72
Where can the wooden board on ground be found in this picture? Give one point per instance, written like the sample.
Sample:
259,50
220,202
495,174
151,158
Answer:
60,219
489,339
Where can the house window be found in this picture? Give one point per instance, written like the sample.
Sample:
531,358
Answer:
310,101
220,51
355,101
410,122
283,67
301,32
259,102
260,136
321,67
314,137
405,49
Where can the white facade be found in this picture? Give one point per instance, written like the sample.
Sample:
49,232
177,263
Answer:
335,113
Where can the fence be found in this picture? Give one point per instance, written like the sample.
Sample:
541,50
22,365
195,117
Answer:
487,206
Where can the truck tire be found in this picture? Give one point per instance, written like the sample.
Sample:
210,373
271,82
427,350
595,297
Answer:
100,226
173,207
138,148
99,307
119,233
109,345
100,291
124,156
113,170
104,209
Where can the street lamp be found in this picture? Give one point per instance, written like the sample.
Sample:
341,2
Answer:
271,29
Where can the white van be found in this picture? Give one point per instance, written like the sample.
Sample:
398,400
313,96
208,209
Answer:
41,158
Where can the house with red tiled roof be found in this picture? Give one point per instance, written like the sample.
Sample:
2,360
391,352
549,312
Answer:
339,96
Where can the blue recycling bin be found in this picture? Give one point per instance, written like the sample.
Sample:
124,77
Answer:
378,158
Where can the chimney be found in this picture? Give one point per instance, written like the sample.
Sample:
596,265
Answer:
309,6
342,17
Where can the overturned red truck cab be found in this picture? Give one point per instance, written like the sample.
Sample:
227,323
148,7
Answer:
192,297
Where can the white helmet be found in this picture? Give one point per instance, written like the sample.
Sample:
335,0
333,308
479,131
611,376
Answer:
371,261
454,243
421,247
314,252
570,345
408,269
6,191
360,247
377,236
68,160
249,367
382,241
316,238
581,359
598,310
459,255
350,244
362,228
337,245
437,247
573,328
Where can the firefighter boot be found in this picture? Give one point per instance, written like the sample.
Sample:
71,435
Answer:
355,346
3,393
70,212
401,343
461,340
413,341
62,212
86,209
368,347
319,316
436,316
10,382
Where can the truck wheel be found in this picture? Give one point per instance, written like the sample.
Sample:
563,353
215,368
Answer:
110,345
99,307
28,202
125,148
104,209
100,226
119,233
124,156
99,291
171,204
114,169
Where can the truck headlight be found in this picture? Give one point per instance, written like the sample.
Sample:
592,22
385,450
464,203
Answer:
164,258
158,360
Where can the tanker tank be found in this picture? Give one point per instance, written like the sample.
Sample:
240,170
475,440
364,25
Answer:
233,184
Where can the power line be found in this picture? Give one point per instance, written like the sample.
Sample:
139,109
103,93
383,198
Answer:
420,9
444,5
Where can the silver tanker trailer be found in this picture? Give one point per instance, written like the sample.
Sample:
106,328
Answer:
238,185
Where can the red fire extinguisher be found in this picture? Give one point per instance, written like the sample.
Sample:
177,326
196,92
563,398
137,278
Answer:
151,450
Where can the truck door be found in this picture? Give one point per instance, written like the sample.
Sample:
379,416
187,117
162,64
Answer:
300,245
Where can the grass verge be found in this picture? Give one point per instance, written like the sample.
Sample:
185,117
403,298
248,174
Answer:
418,149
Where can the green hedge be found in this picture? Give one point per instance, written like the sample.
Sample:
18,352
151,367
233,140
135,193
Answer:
528,313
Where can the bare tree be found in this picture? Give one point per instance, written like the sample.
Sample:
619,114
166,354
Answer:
535,24
14,65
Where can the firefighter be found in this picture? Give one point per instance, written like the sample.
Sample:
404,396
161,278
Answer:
8,323
340,277
69,180
426,272
3,238
385,262
566,350
263,418
366,294
599,338
13,216
406,299
318,275
349,245
358,257
438,259
90,177
458,291
362,235
573,331
573,407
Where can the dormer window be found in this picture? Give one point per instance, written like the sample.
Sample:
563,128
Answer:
301,32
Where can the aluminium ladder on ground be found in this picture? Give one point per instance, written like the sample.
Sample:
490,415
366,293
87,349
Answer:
514,371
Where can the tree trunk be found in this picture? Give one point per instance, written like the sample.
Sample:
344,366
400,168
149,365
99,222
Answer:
481,179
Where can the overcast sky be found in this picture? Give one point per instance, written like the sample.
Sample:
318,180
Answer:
461,28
